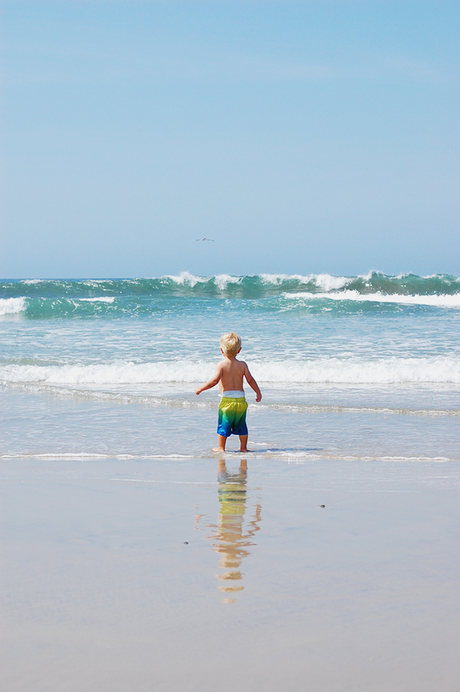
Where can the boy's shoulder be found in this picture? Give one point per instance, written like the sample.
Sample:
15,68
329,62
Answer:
232,363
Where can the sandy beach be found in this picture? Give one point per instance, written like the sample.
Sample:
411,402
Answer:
204,575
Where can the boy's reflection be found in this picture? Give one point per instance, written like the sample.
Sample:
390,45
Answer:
231,542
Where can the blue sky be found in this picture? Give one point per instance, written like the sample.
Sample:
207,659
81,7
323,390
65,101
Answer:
302,137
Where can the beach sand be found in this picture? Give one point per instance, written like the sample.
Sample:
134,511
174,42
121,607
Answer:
191,574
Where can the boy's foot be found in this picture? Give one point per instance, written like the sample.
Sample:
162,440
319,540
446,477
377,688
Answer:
244,450
222,442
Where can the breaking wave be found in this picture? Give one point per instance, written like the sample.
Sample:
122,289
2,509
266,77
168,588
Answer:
12,306
46,299
354,371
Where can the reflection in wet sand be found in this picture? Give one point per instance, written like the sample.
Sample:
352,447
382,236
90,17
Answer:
230,540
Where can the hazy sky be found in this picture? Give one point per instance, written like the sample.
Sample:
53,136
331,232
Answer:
302,137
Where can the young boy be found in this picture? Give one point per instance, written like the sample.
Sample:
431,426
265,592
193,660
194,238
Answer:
229,374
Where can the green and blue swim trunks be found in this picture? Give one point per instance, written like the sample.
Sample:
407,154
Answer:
232,414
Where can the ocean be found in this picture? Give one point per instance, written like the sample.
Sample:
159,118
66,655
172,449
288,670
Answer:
350,368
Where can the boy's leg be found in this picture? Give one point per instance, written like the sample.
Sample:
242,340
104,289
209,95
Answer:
221,441
243,443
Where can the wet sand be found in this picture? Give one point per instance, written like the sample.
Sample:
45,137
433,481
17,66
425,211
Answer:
199,575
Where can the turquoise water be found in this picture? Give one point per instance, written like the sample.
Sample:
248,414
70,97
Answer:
350,367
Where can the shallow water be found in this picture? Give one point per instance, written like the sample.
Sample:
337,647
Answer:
359,367
53,424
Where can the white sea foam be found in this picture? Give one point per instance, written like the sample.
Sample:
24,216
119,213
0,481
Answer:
361,371
102,299
301,456
187,278
448,301
352,371
324,281
291,456
330,283
222,280
106,374
11,306
277,279
368,276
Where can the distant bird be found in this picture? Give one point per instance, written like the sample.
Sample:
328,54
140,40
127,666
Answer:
200,240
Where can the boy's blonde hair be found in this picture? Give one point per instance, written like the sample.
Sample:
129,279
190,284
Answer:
230,343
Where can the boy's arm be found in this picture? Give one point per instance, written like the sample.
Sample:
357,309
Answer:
252,383
212,383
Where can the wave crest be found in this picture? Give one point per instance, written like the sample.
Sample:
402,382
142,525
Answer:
12,306
41,299
352,371
445,301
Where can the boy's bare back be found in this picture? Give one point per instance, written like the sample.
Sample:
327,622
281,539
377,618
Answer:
232,372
